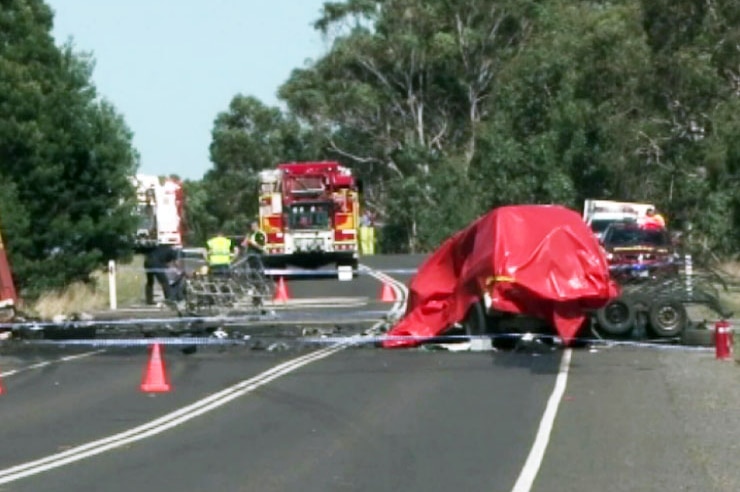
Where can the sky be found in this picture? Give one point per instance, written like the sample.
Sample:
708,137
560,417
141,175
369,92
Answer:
170,66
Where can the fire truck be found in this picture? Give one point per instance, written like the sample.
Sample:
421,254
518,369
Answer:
309,212
160,210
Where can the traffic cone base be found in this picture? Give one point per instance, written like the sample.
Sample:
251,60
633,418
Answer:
281,293
155,380
387,294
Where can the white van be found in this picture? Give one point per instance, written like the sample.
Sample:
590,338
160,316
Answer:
599,214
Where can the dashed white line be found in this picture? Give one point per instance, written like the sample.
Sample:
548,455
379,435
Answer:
45,363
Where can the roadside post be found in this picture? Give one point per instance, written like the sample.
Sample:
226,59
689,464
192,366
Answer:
688,264
112,285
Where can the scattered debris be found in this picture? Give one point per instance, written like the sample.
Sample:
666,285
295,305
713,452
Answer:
189,349
278,347
220,333
534,345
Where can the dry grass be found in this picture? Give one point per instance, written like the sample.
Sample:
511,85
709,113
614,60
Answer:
730,269
731,296
79,297
130,279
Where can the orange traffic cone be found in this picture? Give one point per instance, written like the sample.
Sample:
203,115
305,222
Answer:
155,380
387,294
281,293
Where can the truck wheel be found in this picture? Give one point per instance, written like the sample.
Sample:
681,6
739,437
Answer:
616,318
667,318
475,321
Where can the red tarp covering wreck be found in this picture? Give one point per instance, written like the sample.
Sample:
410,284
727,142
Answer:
537,260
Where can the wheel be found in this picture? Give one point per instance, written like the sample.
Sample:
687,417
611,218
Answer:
617,318
667,318
475,321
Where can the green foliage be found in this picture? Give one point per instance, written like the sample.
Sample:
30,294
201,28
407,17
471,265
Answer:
447,109
424,212
66,157
247,138
199,222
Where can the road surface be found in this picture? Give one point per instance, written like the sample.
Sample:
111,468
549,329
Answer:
317,417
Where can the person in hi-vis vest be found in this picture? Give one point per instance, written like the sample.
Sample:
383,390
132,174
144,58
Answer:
254,245
367,234
219,254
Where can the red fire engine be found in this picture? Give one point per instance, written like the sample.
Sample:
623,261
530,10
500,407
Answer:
310,214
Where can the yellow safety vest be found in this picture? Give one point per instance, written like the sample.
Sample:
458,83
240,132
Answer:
367,240
219,251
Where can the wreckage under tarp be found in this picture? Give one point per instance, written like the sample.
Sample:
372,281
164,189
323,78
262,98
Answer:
535,260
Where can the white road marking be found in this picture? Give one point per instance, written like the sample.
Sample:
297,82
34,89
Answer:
537,453
184,414
39,365
164,423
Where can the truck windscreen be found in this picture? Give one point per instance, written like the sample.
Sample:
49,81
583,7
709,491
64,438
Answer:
314,216
621,237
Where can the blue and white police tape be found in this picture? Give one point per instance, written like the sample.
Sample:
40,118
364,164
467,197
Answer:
641,266
271,318
31,325
523,341
660,344
290,272
137,342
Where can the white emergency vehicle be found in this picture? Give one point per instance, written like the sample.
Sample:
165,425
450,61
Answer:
599,214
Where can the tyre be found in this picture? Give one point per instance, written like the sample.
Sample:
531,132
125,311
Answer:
697,337
667,318
474,323
616,318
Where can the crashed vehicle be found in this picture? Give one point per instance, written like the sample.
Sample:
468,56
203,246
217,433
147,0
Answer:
517,269
635,252
656,286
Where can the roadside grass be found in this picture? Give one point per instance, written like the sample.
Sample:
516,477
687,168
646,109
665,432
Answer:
130,279
730,297
86,298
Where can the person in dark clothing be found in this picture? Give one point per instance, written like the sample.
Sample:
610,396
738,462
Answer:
156,264
255,241
176,279
254,244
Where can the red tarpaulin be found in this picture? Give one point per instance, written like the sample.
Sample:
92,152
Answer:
537,260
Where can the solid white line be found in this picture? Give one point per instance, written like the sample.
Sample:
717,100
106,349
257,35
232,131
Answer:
177,417
537,453
162,424
399,288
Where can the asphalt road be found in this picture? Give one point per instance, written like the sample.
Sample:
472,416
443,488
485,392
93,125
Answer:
313,418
